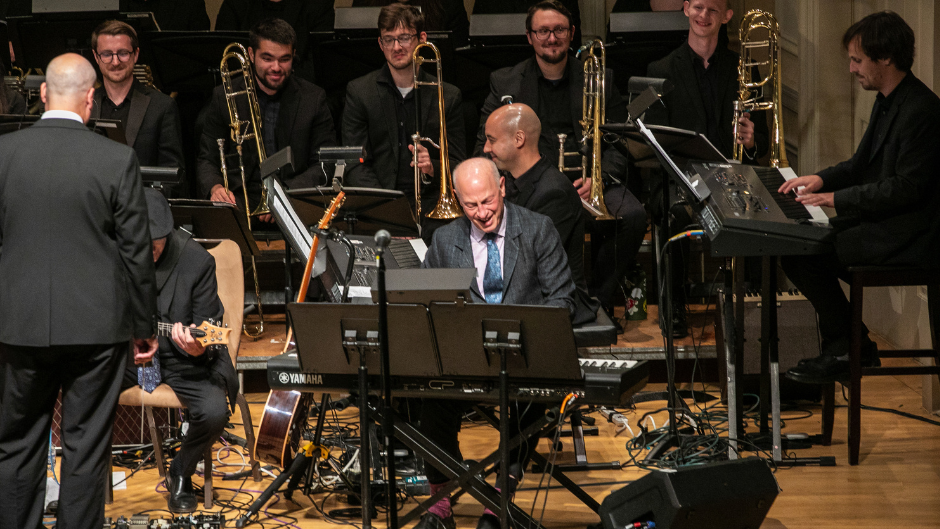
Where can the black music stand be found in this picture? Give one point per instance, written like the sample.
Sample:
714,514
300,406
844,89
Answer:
210,220
39,38
332,337
366,209
186,61
14,122
515,341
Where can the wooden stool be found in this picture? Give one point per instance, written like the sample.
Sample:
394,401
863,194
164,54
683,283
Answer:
870,276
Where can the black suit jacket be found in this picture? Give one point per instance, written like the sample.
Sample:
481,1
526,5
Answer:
303,123
886,195
684,108
188,293
521,82
369,119
75,260
535,268
544,189
152,128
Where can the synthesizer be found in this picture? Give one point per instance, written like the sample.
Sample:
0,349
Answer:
744,215
604,382
401,254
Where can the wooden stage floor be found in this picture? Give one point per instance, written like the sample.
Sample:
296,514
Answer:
896,484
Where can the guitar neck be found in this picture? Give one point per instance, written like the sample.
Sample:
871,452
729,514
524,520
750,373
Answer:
166,329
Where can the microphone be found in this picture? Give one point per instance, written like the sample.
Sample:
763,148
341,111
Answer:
505,100
382,238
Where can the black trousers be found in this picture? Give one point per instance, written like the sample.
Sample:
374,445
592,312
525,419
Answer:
440,423
208,413
615,243
30,379
817,277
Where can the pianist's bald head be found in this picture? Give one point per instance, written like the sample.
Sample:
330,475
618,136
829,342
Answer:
69,85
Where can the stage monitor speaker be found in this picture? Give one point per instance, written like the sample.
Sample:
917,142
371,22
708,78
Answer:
728,495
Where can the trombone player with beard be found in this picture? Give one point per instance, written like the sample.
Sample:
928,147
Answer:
294,113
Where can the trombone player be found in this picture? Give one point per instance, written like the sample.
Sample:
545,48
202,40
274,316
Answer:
293,113
705,76
382,114
552,84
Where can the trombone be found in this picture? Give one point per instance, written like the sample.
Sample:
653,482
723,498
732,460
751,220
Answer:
593,115
748,98
242,130
447,205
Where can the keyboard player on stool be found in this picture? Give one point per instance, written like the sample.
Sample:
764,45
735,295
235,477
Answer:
493,236
885,196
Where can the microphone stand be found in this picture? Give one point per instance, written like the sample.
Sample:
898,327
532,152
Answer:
382,238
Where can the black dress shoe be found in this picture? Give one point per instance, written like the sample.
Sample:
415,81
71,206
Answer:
820,370
488,521
433,521
182,498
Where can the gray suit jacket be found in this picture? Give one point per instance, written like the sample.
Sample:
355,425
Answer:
76,265
535,268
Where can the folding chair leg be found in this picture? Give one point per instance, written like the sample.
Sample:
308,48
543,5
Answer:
157,441
207,481
249,436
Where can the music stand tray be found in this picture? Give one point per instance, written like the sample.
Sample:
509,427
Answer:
320,331
548,346
366,210
426,285
214,220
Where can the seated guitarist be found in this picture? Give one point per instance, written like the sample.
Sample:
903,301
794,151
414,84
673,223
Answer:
201,377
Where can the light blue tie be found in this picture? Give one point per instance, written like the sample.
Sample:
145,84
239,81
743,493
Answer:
149,377
493,276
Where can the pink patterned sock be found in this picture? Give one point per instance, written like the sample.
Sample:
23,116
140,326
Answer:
442,507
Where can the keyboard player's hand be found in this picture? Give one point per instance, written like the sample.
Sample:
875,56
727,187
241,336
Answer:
809,184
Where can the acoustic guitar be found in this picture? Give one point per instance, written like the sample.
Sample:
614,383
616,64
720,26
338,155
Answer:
285,412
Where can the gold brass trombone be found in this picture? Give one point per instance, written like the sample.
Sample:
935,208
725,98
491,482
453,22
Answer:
447,205
748,98
593,115
242,130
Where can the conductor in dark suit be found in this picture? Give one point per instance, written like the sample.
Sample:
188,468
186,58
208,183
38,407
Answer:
293,113
76,290
187,295
383,110
151,120
885,196
519,260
